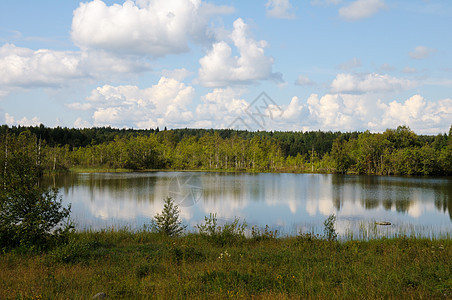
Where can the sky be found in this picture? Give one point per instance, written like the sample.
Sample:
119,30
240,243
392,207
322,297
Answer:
286,65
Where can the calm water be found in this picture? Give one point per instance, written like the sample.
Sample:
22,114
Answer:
287,202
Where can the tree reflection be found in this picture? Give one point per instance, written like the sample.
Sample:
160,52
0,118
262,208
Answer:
263,197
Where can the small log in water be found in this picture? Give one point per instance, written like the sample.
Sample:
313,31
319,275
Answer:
383,223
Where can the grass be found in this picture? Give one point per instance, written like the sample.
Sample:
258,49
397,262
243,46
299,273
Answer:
142,264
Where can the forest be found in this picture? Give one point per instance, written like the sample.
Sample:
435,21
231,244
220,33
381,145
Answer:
397,151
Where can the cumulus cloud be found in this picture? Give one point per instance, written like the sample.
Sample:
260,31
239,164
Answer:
330,111
101,64
129,106
421,52
10,120
280,9
293,110
421,115
166,104
361,9
143,27
220,68
221,107
23,67
27,68
80,123
361,112
369,83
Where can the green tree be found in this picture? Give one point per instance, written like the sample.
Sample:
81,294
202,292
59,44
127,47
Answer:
30,216
341,156
167,222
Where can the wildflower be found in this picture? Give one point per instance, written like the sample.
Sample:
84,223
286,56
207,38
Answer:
225,255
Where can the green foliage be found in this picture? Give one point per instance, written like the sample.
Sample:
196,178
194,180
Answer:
341,156
263,234
143,265
167,222
329,232
76,249
209,228
31,217
395,152
228,234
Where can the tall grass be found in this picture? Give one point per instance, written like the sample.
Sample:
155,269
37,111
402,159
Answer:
139,264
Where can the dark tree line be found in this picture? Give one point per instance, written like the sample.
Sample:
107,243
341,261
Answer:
395,152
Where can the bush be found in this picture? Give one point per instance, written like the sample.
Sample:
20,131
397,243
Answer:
263,234
329,232
168,222
31,217
230,233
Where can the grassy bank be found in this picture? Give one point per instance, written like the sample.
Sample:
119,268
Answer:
134,265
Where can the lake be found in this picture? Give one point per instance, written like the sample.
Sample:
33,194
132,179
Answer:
289,203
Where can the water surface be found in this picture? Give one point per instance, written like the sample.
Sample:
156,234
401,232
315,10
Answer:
287,202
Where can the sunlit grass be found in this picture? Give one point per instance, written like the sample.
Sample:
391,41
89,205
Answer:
138,264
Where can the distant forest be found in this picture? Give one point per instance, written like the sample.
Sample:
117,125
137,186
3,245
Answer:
394,152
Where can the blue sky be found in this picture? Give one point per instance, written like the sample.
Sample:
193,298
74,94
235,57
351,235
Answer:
339,65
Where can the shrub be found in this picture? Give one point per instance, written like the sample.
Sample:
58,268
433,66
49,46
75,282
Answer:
263,234
329,232
209,228
168,222
31,216
230,233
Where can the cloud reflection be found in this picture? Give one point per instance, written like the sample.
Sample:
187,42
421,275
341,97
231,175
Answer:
280,200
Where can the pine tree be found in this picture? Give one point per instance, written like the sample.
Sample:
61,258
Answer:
168,222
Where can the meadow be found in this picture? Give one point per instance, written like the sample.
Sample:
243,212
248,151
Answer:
227,264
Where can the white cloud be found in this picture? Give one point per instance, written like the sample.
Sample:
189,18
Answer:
144,27
10,120
221,106
22,67
100,64
280,9
361,112
219,68
421,52
369,83
419,114
303,80
331,112
294,110
128,106
80,123
166,104
27,68
361,9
